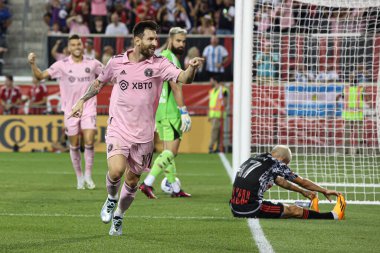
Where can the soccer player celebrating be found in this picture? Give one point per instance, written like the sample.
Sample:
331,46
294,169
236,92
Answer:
172,119
75,74
138,76
258,174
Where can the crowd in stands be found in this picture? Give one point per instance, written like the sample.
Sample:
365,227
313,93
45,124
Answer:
289,16
5,22
117,17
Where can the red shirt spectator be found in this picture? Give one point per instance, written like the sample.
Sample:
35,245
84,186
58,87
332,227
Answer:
145,11
10,97
37,97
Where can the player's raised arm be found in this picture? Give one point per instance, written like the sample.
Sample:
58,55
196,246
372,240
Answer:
92,91
188,75
36,71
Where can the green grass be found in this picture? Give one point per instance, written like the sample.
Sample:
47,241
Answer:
41,211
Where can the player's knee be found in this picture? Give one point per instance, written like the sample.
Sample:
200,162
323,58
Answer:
292,211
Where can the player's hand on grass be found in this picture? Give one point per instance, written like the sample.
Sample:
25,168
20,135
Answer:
77,109
328,193
32,58
196,62
185,118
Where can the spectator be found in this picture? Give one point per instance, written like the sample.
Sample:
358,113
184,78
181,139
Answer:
10,97
77,25
192,53
353,115
145,11
99,26
302,75
216,56
98,10
329,75
3,49
263,18
37,98
57,55
200,9
226,15
266,62
89,50
108,52
181,18
55,29
163,20
56,13
218,96
361,74
284,17
124,14
5,18
207,27
116,28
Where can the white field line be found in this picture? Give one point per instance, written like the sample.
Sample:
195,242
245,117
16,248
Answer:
128,216
258,235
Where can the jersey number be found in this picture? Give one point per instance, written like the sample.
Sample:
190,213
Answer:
245,170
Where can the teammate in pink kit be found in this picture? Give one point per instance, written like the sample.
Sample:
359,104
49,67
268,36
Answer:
75,74
139,76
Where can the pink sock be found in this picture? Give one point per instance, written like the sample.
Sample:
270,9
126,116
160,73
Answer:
76,160
89,159
127,195
112,186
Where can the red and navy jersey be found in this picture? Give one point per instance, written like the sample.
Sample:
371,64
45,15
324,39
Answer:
256,176
10,95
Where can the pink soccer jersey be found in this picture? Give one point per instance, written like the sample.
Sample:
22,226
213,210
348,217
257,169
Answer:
135,95
74,80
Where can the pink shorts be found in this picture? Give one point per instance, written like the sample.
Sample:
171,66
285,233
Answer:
139,155
73,126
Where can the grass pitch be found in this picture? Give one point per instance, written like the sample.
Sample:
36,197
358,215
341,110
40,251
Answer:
41,211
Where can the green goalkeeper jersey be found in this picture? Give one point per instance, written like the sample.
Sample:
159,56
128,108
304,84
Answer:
167,107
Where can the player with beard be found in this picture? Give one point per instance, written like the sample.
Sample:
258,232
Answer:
172,119
75,74
139,76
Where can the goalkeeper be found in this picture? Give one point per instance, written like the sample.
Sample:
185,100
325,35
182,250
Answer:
258,174
172,119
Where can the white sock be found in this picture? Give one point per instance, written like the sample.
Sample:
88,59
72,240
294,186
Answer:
118,213
335,216
176,187
112,197
149,180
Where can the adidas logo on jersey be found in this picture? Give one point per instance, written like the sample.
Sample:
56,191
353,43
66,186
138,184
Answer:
123,72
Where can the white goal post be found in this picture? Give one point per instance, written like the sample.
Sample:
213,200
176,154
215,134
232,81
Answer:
307,75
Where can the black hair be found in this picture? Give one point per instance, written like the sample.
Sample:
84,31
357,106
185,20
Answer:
74,37
9,77
140,27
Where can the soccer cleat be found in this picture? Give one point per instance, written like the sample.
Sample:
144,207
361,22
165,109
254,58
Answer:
147,190
314,204
80,183
107,210
181,194
89,183
340,207
117,226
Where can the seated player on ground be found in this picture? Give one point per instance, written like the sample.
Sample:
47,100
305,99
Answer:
258,174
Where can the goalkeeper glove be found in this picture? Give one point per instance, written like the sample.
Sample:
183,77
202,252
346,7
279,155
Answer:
185,118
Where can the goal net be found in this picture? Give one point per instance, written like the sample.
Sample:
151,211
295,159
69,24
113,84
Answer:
315,88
